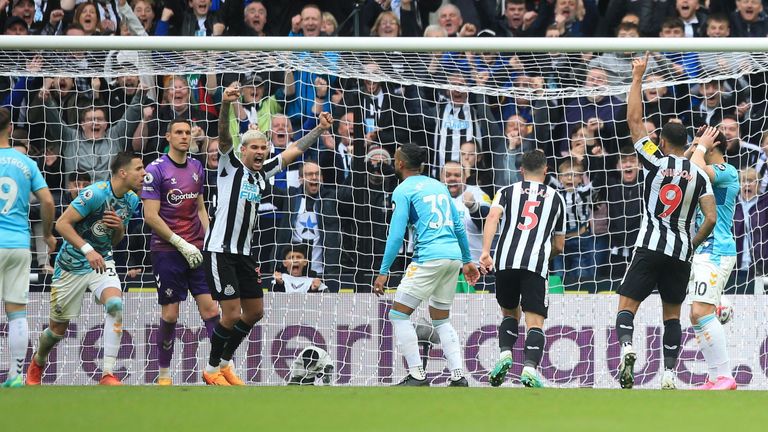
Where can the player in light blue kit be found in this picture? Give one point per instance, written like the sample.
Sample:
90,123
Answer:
19,176
714,259
94,222
440,251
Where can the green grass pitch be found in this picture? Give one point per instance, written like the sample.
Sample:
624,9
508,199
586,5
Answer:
186,409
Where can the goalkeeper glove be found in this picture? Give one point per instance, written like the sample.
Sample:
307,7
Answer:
192,254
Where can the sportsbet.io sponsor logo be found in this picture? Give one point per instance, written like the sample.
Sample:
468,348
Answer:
176,196
100,230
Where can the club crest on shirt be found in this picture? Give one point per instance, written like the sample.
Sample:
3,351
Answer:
195,177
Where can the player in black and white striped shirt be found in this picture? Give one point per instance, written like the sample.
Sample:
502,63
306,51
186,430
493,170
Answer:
673,188
532,233
231,270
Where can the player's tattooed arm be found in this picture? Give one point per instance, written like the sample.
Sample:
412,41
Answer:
325,121
708,207
230,95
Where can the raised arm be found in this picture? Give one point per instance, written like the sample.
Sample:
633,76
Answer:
705,144
299,147
635,100
230,95
707,205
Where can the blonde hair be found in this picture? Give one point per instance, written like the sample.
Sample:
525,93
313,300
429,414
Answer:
252,135
327,16
377,23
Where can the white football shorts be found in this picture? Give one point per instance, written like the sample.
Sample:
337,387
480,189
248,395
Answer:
67,291
432,280
708,279
14,275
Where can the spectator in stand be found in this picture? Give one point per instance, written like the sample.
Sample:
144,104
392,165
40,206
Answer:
519,140
716,104
576,18
658,105
312,219
88,16
618,65
749,19
386,25
365,207
684,64
449,18
762,166
75,182
470,201
330,25
257,106
336,151
145,12
620,11
15,26
280,136
692,16
738,153
625,209
309,23
458,119
750,227
577,264
475,167
295,276
243,18
610,111
176,104
195,19
25,10
585,148
413,15
383,108
517,21
90,147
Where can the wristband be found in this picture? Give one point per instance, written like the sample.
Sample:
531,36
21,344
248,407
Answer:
701,148
86,248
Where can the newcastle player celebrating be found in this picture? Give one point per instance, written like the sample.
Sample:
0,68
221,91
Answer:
664,248
232,273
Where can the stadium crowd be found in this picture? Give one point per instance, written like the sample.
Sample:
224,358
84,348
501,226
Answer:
337,201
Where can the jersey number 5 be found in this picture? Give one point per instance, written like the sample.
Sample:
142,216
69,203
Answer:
528,213
670,195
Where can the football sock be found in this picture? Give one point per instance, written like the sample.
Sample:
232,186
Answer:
508,333
534,347
210,324
239,332
671,341
18,339
45,344
407,342
165,339
219,340
711,372
713,346
113,333
625,326
449,341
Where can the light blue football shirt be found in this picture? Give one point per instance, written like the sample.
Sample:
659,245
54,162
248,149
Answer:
19,175
726,189
425,204
91,204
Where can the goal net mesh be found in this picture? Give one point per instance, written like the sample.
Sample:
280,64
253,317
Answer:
476,113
